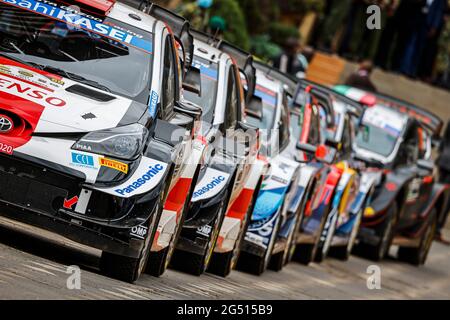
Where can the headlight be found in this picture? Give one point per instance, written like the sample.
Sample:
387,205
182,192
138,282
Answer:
123,142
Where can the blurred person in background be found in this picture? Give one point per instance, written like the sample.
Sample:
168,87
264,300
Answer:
361,78
359,41
421,48
388,35
291,60
443,163
339,10
429,37
443,58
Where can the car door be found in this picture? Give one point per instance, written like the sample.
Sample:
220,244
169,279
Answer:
407,165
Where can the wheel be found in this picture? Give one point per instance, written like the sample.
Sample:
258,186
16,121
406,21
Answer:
126,268
343,252
385,232
325,244
222,263
196,264
256,264
158,262
277,261
251,263
306,253
417,256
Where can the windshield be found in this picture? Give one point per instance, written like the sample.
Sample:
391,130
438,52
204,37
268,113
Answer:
265,100
108,54
204,76
380,130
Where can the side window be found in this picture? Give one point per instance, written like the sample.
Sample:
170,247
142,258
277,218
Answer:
314,130
284,124
347,137
409,150
232,102
170,80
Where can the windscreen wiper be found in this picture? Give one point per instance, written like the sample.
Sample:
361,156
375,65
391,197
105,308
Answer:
21,61
75,77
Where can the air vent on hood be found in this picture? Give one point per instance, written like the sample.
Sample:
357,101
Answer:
89,93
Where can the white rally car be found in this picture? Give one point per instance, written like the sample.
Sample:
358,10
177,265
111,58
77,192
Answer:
219,205
91,93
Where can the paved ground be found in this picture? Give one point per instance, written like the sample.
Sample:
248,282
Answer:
33,266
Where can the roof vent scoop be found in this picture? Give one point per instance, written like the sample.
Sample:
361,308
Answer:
90,93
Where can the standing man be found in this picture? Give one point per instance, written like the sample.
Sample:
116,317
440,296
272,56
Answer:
361,78
338,13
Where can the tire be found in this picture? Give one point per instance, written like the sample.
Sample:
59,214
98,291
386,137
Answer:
257,265
277,261
197,264
158,262
306,253
324,246
418,256
222,263
386,234
126,268
343,252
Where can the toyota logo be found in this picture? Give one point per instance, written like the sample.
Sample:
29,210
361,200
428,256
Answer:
6,124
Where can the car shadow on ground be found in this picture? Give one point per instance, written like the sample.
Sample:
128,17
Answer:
48,249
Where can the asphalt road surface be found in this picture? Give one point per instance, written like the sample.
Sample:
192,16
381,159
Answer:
33,265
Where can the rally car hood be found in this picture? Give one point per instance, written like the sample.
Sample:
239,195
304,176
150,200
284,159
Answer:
41,102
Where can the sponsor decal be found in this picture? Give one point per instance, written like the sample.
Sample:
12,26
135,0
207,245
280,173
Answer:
47,81
5,148
152,107
204,230
113,164
210,186
83,160
6,124
29,91
138,183
69,203
79,20
139,232
279,179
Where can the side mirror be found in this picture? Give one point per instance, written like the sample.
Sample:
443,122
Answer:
188,108
425,164
332,143
306,147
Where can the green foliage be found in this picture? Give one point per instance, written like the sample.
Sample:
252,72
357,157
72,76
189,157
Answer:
279,33
263,48
303,6
236,31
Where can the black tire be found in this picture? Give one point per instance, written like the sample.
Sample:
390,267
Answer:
418,256
254,264
277,261
158,262
306,253
325,245
343,252
194,263
221,264
126,268
188,262
251,263
385,232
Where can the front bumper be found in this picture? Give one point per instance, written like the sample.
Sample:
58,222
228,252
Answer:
35,195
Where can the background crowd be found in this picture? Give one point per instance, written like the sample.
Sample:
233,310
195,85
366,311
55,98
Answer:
414,38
